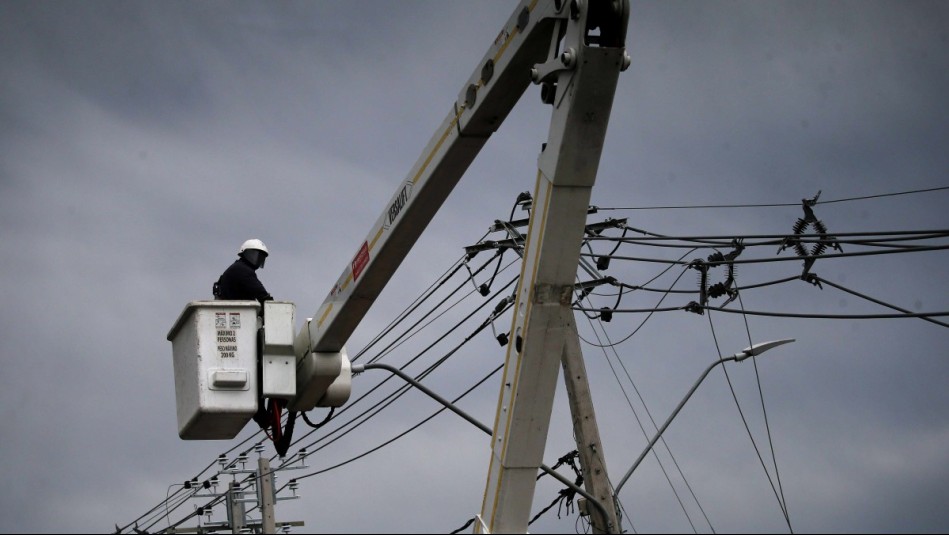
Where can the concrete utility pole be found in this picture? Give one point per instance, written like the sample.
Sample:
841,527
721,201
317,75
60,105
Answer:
585,430
587,433
265,496
581,83
236,512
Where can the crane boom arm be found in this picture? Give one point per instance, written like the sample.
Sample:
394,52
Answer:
575,49
526,41
452,148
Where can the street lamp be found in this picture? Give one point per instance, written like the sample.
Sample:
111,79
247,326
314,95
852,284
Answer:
752,351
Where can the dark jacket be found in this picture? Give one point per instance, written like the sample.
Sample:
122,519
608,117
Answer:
240,282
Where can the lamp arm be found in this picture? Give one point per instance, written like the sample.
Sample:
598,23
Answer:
669,421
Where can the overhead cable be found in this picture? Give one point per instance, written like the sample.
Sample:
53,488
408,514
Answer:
877,301
771,205
642,428
402,434
744,421
827,316
764,413
403,389
786,258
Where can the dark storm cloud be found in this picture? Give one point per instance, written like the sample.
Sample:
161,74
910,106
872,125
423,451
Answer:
141,143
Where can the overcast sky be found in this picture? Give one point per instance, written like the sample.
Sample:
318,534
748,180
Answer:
142,142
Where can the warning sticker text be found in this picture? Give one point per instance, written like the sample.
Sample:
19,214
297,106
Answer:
227,343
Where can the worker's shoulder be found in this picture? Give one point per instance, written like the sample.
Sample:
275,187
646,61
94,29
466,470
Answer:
237,268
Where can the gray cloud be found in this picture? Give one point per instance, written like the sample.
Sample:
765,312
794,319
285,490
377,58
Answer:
140,144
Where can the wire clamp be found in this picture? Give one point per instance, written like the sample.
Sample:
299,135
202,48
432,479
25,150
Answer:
695,308
813,279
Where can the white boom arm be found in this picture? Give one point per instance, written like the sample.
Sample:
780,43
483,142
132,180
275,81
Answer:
575,49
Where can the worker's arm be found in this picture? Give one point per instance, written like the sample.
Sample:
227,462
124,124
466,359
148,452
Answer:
257,288
240,282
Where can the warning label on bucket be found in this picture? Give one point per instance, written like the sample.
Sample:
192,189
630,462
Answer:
227,343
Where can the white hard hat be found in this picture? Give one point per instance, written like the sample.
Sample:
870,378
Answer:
254,244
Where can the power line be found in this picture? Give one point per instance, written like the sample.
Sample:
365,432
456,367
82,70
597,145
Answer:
399,392
764,412
773,314
404,433
155,517
744,421
424,296
940,188
393,398
426,372
649,315
771,205
352,423
786,239
150,511
781,259
672,291
642,428
405,336
727,239
826,316
168,499
877,301
456,267
402,390
631,311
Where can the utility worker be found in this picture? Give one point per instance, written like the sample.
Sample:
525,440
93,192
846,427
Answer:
239,281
